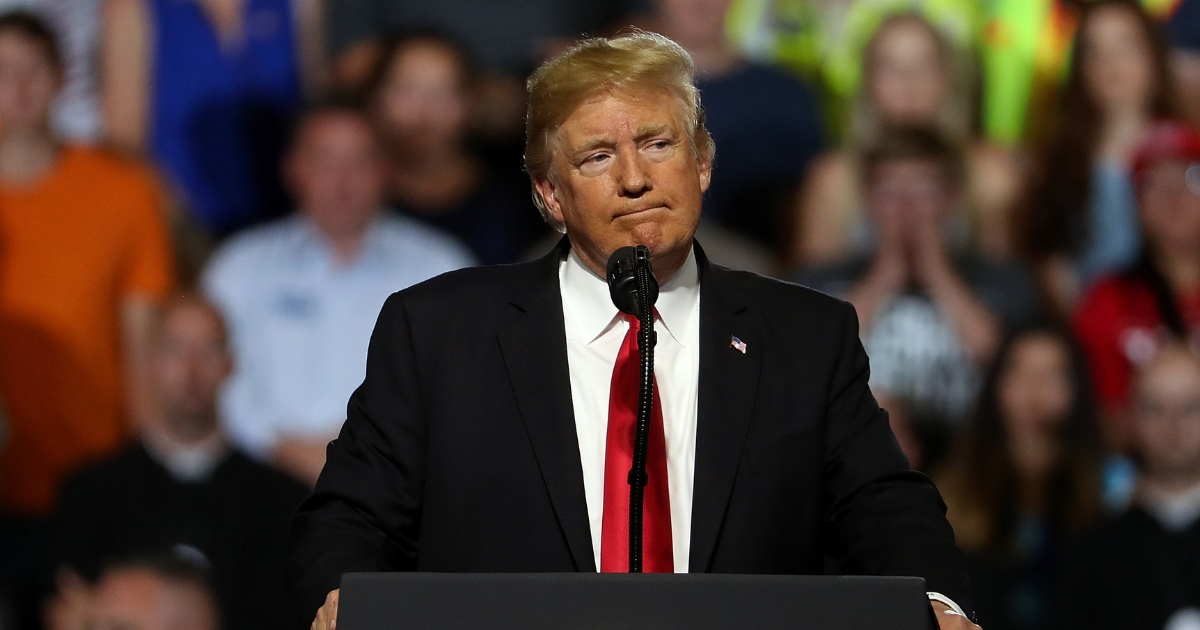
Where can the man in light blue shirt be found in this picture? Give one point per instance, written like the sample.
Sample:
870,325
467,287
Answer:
302,294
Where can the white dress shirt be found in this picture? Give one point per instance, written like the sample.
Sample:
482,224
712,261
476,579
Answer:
594,336
300,320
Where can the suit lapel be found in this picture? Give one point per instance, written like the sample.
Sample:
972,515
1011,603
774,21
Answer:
728,383
535,354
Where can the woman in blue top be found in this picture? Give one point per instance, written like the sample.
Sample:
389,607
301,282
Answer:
206,88
1081,222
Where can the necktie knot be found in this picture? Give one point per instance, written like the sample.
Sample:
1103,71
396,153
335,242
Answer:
636,323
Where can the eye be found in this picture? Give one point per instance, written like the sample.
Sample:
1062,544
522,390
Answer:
594,159
660,144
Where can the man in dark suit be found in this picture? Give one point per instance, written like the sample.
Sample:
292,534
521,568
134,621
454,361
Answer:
491,432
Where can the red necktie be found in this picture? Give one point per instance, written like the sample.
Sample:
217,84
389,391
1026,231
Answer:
657,554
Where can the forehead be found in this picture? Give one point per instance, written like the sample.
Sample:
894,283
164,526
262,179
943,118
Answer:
14,42
1110,22
1173,373
618,113
1168,167
335,127
425,58
903,39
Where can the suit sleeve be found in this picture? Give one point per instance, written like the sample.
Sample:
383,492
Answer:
365,511
881,518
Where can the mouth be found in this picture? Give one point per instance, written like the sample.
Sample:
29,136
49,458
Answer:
634,212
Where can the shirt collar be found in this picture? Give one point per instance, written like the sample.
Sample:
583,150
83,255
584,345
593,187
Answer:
314,246
186,463
592,312
1176,511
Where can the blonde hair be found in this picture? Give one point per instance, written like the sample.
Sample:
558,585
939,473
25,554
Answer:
637,59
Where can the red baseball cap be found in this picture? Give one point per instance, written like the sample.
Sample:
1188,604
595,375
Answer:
1165,140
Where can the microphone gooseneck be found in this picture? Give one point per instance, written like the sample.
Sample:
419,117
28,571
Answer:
630,278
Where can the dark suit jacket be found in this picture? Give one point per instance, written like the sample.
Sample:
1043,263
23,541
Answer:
459,452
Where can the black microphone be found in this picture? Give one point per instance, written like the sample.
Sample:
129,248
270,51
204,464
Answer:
622,271
630,278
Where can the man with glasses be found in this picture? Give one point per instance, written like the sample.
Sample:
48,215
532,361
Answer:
1142,571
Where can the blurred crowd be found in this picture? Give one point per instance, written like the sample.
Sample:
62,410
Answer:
204,203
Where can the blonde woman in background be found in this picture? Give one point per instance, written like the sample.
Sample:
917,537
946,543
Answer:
911,79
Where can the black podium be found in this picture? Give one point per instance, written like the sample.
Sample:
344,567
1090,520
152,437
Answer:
589,601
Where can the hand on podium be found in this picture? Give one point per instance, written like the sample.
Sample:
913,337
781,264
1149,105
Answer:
947,617
326,618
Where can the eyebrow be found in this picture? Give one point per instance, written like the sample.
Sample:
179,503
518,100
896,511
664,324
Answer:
651,131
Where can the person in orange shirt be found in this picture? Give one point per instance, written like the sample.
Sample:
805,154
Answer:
84,256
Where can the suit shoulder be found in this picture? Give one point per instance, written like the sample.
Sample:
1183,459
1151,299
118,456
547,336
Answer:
472,287
780,298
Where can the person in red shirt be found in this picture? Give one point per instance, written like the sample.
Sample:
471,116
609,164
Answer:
1126,317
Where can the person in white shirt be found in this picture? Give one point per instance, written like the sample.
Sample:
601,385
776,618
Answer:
302,294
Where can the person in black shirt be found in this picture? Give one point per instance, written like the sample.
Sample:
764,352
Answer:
933,310
1142,570
181,487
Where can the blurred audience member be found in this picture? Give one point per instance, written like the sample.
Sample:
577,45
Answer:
911,80
1127,315
1142,571
83,258
510,38
421,101
932,313
76,113
764,121
1184,32
825,39
301,295
1026,478
206,88
1082,220
182,486
158,591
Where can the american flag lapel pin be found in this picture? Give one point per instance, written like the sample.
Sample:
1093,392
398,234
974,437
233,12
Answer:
737,344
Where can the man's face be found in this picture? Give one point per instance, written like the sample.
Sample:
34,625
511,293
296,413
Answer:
909,193
28,82
624,172
135,599
1167,415
694,21
191,364
1170,204
336,172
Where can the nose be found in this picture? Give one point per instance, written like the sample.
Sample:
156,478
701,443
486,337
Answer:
633,178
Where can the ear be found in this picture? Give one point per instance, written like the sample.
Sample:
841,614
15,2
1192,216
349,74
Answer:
705,167
549,194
